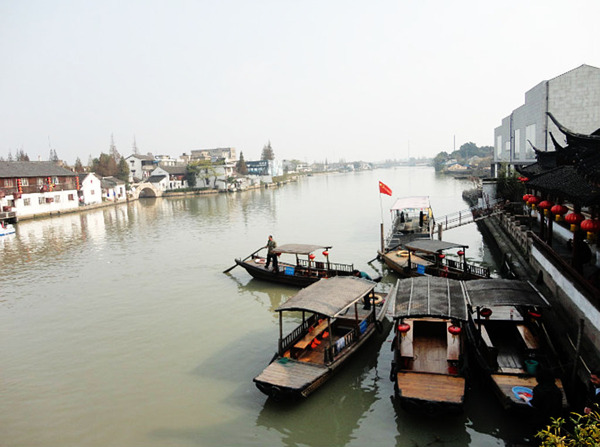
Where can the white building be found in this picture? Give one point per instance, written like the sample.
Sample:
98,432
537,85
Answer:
573,98
29,188
90,189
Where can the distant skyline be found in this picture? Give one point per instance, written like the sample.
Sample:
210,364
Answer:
319,80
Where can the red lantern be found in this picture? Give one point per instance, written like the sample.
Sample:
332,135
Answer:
534,314
460,253
403,328
454,330
486,312
325,253
441,256
526,197
311,256
545,205
574,219
533,201
591,227
559,211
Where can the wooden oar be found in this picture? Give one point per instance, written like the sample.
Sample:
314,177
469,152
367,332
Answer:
250,255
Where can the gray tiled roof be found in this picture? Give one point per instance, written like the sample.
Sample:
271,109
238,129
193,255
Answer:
20,169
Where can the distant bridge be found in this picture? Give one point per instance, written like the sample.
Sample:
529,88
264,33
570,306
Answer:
146,189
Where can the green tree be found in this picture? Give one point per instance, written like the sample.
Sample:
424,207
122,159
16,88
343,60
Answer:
439,160
190,175
267,152
241,167
508,186
123,170
105,166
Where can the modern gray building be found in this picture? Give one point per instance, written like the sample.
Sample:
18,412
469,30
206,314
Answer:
573,98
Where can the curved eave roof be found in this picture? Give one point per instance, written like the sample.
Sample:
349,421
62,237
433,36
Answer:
329,297
567,183
430,296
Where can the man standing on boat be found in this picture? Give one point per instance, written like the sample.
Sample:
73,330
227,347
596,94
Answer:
271,245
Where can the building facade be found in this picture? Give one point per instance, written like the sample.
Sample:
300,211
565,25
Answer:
29,188
573,98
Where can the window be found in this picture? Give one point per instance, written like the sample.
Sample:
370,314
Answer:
24,182
518,155
55,180
40,181
27,202
92,192
57,199
9,183
41,200
71,197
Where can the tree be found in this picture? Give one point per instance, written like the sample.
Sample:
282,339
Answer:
439,161
123,170
78,166
22,156
241,167
53,156
105,166
267,152
508,186
190,175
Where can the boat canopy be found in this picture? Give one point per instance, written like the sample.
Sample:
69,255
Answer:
430,296
503,292
329,297
431,246
416,202
299,249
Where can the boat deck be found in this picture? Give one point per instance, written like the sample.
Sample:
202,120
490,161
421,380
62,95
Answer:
431,387
505,383
288,373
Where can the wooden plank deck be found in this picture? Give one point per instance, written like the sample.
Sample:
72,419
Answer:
506,382
530,340
431,387
308,338
291,374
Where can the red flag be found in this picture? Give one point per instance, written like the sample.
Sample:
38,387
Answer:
384,189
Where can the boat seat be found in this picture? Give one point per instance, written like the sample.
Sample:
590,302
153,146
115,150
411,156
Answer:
529,339
305,341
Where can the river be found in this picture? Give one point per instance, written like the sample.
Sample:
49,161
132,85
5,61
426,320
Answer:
118,327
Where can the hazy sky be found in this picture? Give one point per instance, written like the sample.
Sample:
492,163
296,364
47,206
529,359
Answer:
320,80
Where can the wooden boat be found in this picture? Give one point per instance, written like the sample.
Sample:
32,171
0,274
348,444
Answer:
427,370
302,271
412,218
507,336
338,316
430,257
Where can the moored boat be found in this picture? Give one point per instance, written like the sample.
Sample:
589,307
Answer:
508,339
430,257
338,316
299,265
6,229
427,370
412,218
